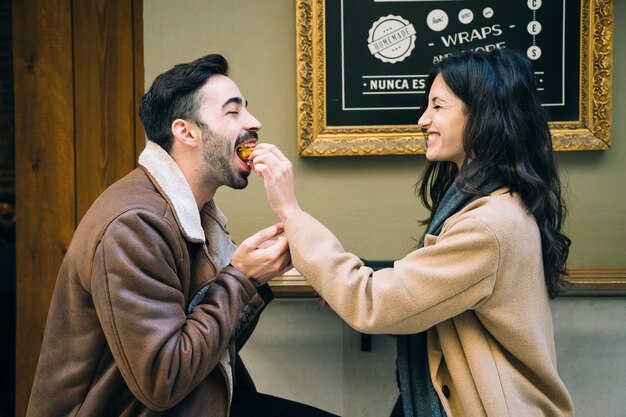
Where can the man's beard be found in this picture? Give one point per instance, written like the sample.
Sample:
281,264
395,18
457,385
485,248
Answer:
218,156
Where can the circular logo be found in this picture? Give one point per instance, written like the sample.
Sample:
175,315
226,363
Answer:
437,20
534,52
466,16
534,27
391,39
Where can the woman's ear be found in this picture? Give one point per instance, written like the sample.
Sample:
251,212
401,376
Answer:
186,133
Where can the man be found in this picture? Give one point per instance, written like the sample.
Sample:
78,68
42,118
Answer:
153,300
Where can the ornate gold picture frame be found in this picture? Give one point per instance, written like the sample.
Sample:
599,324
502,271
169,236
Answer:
592,130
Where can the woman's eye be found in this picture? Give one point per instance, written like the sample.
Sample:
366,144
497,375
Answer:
436,106
232,112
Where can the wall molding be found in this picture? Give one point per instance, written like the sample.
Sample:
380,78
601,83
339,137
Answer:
293,285
596,279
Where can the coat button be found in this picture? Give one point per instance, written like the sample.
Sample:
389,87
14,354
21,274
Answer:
446,391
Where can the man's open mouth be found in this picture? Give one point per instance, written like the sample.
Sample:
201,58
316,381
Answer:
244,151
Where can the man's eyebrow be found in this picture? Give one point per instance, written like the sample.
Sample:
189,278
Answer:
236,100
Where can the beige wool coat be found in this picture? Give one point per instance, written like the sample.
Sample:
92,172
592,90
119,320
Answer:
477,288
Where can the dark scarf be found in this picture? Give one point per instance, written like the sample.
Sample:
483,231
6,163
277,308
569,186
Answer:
417,394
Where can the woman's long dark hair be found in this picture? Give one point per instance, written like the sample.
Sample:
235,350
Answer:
507,134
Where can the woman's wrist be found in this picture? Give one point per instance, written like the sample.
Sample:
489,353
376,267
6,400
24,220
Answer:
288,212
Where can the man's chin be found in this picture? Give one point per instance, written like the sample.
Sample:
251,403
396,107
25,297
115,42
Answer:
242,183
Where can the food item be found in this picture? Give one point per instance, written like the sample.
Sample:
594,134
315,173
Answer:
244,152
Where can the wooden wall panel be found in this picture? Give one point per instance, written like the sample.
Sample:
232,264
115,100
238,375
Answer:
78,74
44,169
140,134
104,96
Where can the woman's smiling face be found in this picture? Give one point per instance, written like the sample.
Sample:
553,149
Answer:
444,122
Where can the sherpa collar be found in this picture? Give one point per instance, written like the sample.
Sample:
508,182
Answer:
170,178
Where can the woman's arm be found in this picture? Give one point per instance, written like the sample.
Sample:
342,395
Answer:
426,287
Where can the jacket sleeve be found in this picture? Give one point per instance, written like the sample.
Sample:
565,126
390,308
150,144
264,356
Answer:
428,286
162,352
246,328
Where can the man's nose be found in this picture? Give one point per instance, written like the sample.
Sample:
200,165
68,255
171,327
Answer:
252,123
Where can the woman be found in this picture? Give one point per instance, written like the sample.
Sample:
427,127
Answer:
470,306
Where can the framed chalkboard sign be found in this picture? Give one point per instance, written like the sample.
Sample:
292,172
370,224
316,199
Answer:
362,66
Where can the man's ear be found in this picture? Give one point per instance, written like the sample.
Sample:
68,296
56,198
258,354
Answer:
186,132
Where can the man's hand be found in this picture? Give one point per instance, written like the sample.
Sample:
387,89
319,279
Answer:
277,172
263,255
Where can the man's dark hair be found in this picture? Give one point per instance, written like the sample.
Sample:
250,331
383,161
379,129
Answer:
173,96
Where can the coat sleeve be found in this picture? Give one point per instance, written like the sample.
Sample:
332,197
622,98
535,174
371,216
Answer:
428,286
162,352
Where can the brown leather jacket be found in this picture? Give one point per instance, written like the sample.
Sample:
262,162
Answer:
146,318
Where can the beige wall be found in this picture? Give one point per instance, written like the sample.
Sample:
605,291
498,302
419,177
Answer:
352,194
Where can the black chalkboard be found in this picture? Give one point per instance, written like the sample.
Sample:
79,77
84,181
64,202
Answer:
379,52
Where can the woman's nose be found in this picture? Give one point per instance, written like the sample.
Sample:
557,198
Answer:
424,120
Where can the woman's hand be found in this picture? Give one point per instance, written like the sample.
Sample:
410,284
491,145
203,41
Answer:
277,172
263,255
